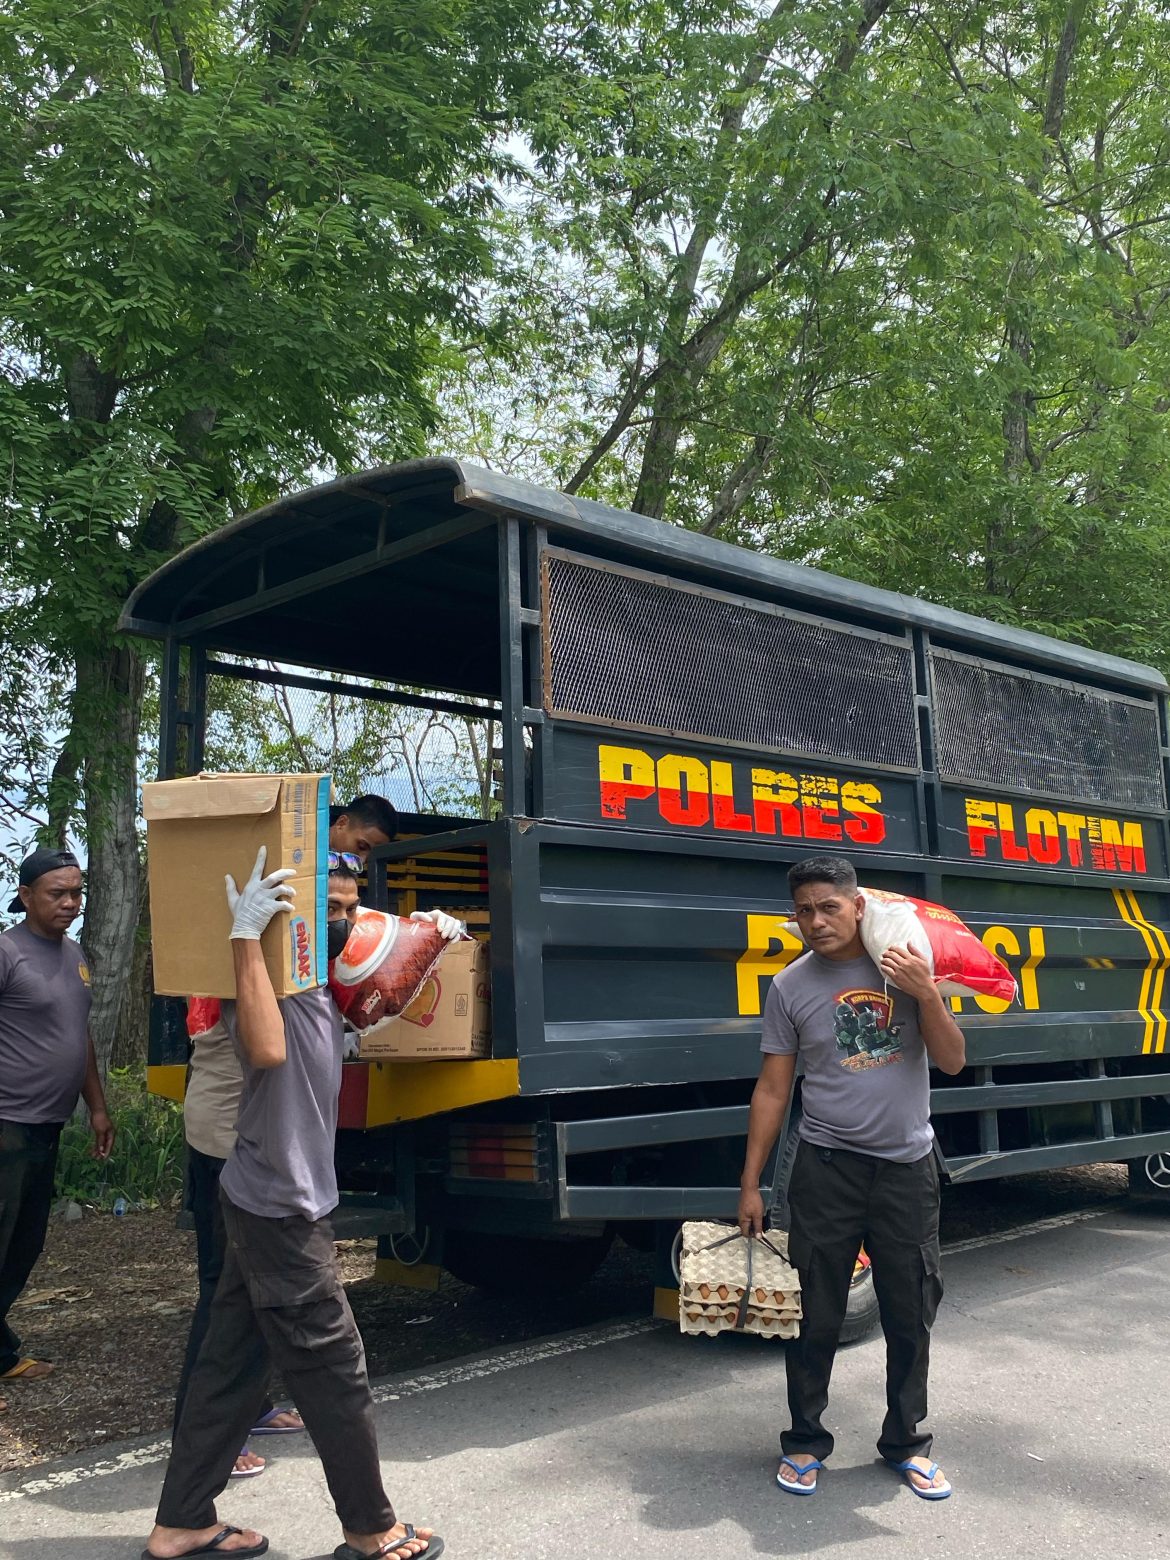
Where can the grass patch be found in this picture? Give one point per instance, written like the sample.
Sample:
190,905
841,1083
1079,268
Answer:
146,1167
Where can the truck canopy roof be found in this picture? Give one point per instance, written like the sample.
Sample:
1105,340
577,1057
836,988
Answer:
394,573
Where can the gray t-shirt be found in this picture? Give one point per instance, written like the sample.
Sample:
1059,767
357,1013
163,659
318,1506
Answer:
44,1026
282,1163
866,1073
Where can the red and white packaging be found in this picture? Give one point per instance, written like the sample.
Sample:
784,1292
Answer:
202,1015
959,961
384,965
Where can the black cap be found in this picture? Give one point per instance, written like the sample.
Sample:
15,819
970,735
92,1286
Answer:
35,866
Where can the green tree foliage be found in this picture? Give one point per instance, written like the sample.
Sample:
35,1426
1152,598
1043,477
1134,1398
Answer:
424,760
229,232
882,289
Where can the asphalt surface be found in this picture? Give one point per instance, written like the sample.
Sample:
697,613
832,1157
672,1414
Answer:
1050,1384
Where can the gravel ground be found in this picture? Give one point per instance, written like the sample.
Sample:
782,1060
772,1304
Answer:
110,1299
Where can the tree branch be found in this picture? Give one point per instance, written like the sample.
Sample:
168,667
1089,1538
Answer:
741,480
186,58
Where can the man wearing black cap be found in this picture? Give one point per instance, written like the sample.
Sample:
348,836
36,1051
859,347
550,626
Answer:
46,1061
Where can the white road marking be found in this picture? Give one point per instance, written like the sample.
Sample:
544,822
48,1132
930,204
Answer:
1057,1222
433,1381
512,1359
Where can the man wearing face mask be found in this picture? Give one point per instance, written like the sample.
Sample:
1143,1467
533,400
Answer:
212,1100
209,1118
280,1293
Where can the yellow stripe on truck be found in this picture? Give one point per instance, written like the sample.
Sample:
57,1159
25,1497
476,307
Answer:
406,1091
169,1083
1131,914
1161,953
398,1091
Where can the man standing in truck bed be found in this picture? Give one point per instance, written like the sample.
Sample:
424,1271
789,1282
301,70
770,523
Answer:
865,1169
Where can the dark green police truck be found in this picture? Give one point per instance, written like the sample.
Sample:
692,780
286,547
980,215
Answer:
679,720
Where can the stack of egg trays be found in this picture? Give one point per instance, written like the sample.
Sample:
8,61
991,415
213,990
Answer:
713,1279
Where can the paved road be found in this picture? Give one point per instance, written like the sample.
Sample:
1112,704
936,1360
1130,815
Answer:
1051,1384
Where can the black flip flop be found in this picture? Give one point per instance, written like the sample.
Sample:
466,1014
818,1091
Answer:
432,1552
213,1548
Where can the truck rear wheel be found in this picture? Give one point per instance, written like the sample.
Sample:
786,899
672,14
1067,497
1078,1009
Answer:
518,1265
861,1312
1150,1177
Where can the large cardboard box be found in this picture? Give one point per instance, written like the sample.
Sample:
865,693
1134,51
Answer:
198,830
451,1017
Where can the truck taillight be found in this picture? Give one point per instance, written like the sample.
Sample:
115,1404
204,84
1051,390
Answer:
495,1152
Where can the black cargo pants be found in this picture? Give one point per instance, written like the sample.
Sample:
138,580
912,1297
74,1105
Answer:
206,1208
839,1200
279,1301
28,1160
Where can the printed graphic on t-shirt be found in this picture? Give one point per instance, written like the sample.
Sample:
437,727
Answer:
866,1035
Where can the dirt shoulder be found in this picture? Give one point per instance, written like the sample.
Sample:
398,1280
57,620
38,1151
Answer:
110,1302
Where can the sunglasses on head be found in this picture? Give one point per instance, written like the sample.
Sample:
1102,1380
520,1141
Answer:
345,858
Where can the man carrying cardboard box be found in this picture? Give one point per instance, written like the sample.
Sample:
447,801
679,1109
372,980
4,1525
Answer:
214,1082
210,1109
280,1293
214,1085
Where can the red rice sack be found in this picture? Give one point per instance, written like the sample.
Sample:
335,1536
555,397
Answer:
202,1015
384,965
959,961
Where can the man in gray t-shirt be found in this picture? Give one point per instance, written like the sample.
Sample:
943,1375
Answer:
280,1300
866,1084
282,1162
864,1170
46,1062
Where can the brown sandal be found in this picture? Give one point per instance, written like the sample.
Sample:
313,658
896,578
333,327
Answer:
33,1369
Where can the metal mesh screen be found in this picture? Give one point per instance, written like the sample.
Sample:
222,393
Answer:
1014,732
630,650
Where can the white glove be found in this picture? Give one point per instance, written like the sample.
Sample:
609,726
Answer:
446,925
260,899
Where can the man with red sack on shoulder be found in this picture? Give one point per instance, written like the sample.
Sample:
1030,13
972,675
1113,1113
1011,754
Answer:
865,1168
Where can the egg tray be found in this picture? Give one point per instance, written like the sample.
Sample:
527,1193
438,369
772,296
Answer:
730,1284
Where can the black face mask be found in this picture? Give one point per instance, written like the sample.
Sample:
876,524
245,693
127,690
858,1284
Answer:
338,934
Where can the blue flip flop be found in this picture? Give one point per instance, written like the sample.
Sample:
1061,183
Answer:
264,1425
800,1469
937,1492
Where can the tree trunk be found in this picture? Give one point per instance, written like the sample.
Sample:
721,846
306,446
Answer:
1019,458
133,1031
686,349
107,710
